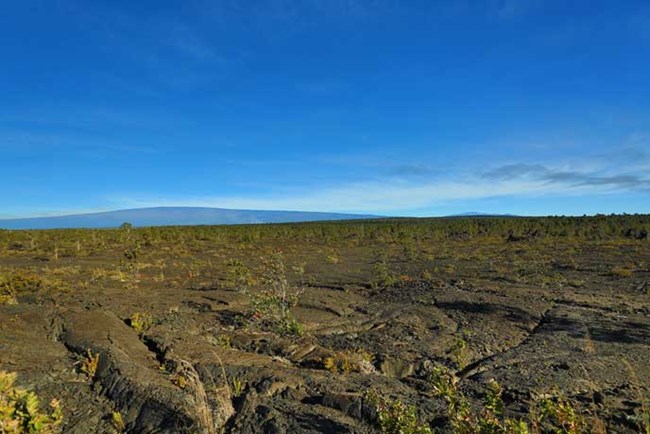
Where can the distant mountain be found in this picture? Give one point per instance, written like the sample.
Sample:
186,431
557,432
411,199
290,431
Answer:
172,216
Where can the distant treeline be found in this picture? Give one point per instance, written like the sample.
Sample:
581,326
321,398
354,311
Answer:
514,229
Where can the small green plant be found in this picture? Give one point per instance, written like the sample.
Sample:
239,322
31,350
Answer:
179,380
273,303
117,421
141,322
129,265
12,283
126,232
290,326
224,341
555,412
89,364
8,298
395,417
459,351
445,385
19,410
561,413
238,276
349,361
381,275
237,385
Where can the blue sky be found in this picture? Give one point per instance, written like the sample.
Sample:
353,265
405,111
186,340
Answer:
377,106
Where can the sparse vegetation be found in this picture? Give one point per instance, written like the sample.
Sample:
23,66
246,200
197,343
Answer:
238,276
118,421
382,276
129,264
14,283
89,364
395,417
459,351
224,341
349,361
141,322
273,302
179,380
20,412
554,412
237,385
533,302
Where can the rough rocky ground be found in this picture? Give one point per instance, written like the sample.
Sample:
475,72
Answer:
537,316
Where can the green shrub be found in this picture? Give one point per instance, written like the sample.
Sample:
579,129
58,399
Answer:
272,304
89,364
238,276
141,322
349,361
129,265
117,421
12,283
19,410
561,413
459,351
556,412
382,277
290,326
224,341
237,386
395,417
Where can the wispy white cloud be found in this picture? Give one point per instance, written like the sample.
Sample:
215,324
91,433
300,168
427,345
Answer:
568,178
391,197
406,188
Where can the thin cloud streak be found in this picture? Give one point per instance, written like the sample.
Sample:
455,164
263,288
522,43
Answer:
391,198
541,173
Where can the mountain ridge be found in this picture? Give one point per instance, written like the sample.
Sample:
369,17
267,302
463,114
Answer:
173,216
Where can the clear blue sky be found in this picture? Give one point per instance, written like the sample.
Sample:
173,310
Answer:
388,107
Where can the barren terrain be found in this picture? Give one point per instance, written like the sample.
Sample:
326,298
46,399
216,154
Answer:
379,307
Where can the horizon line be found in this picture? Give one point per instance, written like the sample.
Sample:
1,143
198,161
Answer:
64,214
